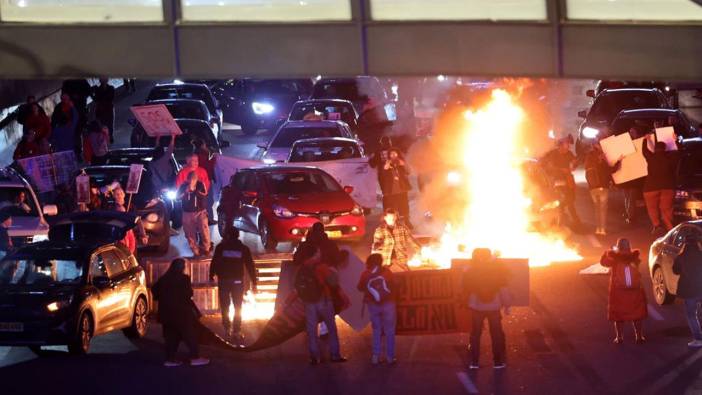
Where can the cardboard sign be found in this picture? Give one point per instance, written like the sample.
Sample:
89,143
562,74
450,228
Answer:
156,120
48,171
667,135
616,147
83,189
633,166
134,180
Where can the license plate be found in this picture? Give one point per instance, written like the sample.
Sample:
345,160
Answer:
11,327
333,234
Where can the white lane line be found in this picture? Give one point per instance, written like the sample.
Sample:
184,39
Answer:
593,240
467,383
654,313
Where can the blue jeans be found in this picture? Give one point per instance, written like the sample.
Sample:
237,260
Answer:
383,317
321,311
691,306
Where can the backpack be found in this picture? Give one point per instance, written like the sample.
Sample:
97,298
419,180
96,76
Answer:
378,288
307,286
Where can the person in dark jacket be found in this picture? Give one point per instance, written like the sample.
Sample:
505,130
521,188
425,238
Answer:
598,174
5,224
689,266
377,285
230,261
659,187
560,163
176,314
104,99
394,183
328,248
64,126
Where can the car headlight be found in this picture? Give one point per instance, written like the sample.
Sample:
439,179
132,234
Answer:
58,305
680,194
357,210
282,212
262,108
38,238
590,133
171,194
269,161
152,217
453,178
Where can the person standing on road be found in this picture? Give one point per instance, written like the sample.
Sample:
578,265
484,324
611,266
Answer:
688,265
230,261
104,99
174,293
377,285
64,125
598,174
38,121
560,163
27,146
192,196
659,187
207,161
627,299
161,165
97,146
327,247
314,285
392,240
192,163
395,185
485,284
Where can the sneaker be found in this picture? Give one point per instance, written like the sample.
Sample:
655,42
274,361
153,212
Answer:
473,366
499,365
375,360
695,343
199,362
172,364
339,360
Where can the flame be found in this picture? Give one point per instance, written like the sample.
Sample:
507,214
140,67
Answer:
252,309
497,212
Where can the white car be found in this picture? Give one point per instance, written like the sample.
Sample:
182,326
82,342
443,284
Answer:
17,195
278,148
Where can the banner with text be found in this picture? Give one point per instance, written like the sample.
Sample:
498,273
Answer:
48,171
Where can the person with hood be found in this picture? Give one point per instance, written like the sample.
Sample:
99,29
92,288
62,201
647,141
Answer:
485,284
377,284
688,265
659,186
64,125
627,299
230,262
174,293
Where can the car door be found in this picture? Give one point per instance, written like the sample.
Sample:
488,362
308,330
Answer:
121,281
131,281
250,201
106,306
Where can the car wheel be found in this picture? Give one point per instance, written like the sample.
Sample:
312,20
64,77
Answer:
81,341
269,243
137,329
249,129
660,290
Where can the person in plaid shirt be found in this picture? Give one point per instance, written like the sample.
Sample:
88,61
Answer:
392,240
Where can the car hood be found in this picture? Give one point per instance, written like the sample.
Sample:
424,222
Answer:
316,202
28,226
277,154
32,297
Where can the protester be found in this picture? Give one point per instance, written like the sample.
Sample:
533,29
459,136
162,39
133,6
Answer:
21,202
485,284
192,196
5,224
24,110
119,204
394,183
327,247
174,293
78,90
377,285
207,161
104,99
192,163
598,174
392,240
627,299
230,261
96,147
37,121
688,265
64,125
27,146
315,283
659,186
161,165
65,200
560,163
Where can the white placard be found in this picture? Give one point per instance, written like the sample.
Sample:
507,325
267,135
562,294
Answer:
667,135
83,189
633,166
616,147
156,120
134,180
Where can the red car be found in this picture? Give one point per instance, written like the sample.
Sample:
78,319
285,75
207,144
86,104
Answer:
281,203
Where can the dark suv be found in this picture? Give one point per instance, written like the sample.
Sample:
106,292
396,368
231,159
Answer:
688,194
74,286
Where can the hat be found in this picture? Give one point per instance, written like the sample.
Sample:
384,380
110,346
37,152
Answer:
623,245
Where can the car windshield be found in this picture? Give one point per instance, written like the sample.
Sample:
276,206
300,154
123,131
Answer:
301,182
275,87
19,201
144,194
287,136
324,111
191,132
188,110
40,272
325,150
169,92
337,90
607,106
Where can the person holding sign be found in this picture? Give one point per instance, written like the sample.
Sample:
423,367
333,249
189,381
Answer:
598,174
659,187
193,195
377,285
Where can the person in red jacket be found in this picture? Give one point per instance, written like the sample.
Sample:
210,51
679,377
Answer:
27,147
377,285
38,121
627,299
192,163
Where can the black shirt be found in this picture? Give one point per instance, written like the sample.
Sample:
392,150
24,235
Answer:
230,259
192,201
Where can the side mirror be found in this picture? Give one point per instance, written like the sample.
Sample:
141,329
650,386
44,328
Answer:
262,145
582,114
101,282
250,194
133,122
348,189
590,93
50,210
224,144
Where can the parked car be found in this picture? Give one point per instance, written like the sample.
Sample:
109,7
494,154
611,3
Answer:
191,109
260,103
278,148
77,285
192,129
326,109
661,256
668,90
180,90
282,203
358,90
607,105
645,120
28,217
687,204
148,204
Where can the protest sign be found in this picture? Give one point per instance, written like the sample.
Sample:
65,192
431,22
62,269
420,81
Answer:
667,135
48,171
156,120
617,147
633,166
135,170
83,188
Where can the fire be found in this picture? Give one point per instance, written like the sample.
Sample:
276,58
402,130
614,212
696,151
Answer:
252,310
497,214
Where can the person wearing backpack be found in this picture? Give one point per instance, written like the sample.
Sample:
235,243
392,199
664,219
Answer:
627,299
314,284
376,283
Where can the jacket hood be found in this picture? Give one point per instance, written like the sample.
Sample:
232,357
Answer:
632,256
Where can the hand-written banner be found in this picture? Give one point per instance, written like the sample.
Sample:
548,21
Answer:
48,171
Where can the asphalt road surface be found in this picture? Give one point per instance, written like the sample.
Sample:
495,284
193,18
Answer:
560,344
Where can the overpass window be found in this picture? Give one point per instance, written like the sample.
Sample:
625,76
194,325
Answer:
89,11
494,10
635,10
266,10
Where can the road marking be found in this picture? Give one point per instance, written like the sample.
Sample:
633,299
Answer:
654,313
413,349
593,240
467,383
657,387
